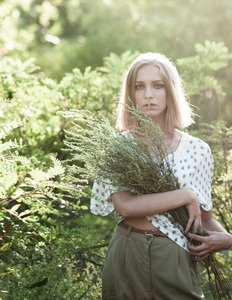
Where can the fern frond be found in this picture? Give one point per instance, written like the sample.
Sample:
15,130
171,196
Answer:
7,165
38,175
8,146
22,159
8,127
58,169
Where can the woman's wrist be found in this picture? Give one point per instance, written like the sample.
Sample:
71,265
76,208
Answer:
190,196
226,239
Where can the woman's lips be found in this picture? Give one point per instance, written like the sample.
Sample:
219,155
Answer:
150,105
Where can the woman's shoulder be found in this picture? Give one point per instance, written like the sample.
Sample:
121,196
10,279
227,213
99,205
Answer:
195,143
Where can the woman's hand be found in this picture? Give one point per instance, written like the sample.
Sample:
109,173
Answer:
214,241
193,211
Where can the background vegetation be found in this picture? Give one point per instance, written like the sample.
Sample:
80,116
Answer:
51,247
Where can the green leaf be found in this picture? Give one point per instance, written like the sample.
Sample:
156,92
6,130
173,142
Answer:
84,207
26,212
10,180
15,207
19,192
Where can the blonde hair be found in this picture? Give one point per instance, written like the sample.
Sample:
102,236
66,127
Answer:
178,114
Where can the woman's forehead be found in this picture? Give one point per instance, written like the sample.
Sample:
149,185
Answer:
150,71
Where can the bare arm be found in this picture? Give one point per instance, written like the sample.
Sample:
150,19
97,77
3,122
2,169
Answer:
129,205
209,223
217,238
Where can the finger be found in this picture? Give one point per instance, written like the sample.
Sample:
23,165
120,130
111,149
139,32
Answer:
190,221
195,237
208,233
200,254
200,258
196,249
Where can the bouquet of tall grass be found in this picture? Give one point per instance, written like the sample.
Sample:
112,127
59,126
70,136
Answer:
131,164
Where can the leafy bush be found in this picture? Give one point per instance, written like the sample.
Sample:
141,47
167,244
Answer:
41,254
203,81
61,265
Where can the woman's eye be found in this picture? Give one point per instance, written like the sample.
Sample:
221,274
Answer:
158,86
138,86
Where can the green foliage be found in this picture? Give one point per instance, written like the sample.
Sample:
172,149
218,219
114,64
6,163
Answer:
72,34
15,75
198,73
115,67
198,69
38,256
63,264
24,184
31,103
35,101
96,90
65,35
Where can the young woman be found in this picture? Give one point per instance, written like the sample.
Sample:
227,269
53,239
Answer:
148,257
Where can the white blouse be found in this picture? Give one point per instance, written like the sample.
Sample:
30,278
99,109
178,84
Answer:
193,167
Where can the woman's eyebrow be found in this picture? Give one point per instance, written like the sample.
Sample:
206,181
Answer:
158,80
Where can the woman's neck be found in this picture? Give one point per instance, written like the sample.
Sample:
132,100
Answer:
169,133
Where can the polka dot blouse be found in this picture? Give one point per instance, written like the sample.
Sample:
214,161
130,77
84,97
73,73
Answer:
193,166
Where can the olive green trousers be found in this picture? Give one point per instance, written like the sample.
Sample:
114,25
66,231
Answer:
140,267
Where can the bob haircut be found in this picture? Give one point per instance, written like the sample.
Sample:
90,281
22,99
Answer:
178,114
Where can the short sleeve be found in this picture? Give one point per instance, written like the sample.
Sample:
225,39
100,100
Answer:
201,179
101,203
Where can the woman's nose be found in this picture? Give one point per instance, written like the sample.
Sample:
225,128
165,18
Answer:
148,94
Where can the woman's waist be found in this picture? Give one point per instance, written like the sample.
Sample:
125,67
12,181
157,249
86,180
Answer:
140,223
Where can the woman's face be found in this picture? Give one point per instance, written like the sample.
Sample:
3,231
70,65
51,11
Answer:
150,94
